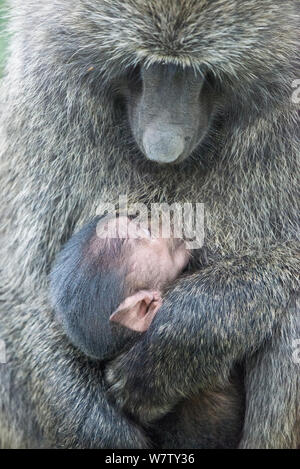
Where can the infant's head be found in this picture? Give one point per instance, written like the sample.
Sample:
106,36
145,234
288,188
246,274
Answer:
145,264
107,283
148,263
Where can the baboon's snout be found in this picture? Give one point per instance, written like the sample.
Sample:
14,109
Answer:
168,112
164,144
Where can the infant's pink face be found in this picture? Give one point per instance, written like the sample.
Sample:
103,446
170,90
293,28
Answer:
155,262
152,262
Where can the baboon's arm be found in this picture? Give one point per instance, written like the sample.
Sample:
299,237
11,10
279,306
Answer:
208,321
67,413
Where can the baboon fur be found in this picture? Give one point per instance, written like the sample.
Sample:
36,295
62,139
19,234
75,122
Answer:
66,146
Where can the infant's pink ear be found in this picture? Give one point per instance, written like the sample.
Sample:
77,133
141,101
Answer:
137,311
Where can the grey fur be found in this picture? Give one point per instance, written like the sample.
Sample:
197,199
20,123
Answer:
65,147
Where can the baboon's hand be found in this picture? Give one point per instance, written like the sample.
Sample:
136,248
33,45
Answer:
202,328
134,389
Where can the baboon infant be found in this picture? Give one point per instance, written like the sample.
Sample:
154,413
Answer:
148,265
119,257
106,288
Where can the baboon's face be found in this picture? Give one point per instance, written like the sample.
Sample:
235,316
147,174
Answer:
243,50
169,110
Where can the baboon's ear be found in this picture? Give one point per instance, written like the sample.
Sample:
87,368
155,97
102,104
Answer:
137,311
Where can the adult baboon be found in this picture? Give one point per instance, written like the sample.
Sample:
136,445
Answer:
96,93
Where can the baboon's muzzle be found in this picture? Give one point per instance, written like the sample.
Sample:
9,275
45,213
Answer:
170,115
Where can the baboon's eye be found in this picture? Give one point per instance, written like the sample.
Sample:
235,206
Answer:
135,78
210,79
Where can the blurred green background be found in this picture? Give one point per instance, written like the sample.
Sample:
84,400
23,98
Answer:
3,38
